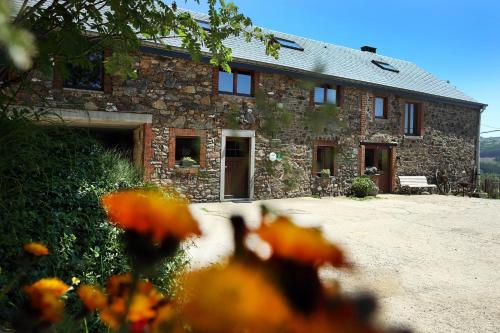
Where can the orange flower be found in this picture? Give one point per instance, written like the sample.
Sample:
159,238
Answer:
36,249
92,297
150,212
45,296
306,245
232,299
164,319
142,308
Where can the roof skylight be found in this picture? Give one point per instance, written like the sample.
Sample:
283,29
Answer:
386,66
288,44
204,25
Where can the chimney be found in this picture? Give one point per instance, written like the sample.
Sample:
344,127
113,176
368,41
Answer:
369,49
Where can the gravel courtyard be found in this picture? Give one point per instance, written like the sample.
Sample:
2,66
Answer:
433,261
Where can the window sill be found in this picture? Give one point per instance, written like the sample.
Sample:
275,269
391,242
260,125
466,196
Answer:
381,119
413,137
235,96
317,106
99,92
325,178
191,170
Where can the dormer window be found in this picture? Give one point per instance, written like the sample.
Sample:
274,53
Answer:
288,43
204,25
385,66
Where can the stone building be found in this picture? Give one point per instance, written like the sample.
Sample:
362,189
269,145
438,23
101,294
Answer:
202,130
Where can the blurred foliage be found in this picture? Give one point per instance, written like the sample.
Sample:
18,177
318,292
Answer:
274,118
16,41
233,118
60,30
51,182
324,119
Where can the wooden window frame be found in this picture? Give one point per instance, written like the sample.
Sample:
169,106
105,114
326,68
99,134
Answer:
386,107
101,67
234,72
186,133
419,119
323,143
106,80
325,94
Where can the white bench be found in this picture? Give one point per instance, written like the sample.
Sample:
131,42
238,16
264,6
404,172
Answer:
410,182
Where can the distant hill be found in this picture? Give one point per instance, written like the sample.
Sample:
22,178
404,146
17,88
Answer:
490,155
490,147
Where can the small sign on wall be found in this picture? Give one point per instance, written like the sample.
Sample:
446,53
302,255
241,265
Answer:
275,156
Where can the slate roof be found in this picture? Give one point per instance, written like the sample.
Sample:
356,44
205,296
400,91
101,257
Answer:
337,62
344,63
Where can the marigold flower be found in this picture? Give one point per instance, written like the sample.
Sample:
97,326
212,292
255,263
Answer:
306,245
92,297
36,249
45,297
150,212
143,306
164,318
232,299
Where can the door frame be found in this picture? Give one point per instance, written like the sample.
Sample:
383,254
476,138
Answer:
250,134
391,147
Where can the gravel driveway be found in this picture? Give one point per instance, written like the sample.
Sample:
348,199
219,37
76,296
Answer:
433,261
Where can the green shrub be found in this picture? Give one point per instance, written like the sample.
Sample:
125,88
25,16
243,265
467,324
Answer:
363,186
51,179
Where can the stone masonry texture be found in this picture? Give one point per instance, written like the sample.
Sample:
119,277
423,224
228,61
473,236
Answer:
179,93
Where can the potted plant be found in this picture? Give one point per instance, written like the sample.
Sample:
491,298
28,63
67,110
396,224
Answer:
187,161
325,173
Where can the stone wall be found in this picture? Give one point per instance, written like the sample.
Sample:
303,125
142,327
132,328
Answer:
448,143
180,95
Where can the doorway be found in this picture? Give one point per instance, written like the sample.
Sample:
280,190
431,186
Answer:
237,165
380,156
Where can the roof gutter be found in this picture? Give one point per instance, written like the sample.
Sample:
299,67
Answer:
477,175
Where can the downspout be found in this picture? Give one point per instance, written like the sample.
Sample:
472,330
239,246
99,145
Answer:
478,151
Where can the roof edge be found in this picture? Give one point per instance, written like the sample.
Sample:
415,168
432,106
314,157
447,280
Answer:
173,51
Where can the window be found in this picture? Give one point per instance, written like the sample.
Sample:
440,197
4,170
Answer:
204,25
380,107
187,147
325,94
236,83
187,142
386,66
325,159
288,43
411,119
88,78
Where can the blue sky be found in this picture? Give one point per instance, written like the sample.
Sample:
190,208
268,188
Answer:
455,40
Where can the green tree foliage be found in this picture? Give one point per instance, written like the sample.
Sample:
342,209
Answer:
69,31
490,167
17,42
50,189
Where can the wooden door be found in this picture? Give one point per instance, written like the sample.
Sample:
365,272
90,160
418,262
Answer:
380,157
237,168
383,166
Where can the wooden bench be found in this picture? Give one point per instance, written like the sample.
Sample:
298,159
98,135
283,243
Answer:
410,182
